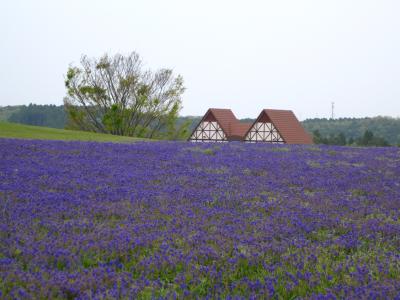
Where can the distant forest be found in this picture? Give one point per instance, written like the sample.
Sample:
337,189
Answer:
379,131
38,115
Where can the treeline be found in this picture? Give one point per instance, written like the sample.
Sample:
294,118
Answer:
333,131
56,117
377,131
40,115
367,139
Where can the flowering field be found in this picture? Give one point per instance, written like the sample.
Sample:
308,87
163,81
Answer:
163,220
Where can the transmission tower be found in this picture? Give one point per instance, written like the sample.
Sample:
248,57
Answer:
333,110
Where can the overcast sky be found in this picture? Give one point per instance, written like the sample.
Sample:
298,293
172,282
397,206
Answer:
244,55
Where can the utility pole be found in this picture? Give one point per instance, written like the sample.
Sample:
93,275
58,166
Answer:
333,110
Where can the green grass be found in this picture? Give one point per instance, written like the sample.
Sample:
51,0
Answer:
19,131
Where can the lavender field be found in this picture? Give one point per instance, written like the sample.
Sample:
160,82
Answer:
185,220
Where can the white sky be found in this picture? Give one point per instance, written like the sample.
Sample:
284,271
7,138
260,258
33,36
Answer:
243,55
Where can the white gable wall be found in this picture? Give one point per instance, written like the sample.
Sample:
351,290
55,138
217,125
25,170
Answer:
208,131
264,132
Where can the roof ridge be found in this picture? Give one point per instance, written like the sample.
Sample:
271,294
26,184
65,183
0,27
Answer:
285,121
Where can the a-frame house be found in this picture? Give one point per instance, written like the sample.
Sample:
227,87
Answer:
219,125
277,127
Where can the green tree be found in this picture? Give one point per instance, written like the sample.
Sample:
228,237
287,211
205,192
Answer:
340,139
387,128
318,139
40,115
369,139
113,94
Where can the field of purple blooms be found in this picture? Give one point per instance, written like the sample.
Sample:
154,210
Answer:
187,220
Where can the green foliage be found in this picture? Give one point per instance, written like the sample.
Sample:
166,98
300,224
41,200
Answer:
113,119
7,111
386,128
173,130
112,94
39,115
368,139
338,139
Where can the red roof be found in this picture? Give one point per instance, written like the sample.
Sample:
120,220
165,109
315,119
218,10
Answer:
232,127
287,125
284,121
239,130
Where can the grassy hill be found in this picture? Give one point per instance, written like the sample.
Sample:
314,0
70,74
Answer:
12,130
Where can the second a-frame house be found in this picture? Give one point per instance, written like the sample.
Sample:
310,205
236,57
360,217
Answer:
278,127
219,125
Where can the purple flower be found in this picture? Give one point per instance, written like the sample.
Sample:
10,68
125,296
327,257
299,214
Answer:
166,220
